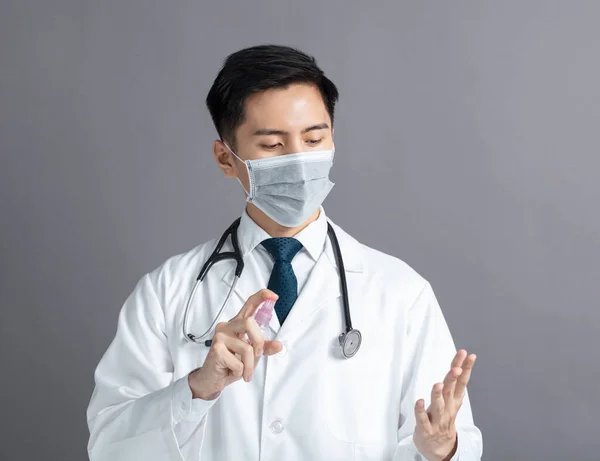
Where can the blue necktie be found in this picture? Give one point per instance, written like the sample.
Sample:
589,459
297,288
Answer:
283,280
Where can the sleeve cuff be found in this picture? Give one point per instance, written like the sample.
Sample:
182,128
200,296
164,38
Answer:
465,450
184,407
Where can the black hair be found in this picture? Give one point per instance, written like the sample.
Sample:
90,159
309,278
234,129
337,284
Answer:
259,68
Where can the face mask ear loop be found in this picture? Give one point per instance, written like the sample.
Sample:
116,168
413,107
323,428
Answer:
238,179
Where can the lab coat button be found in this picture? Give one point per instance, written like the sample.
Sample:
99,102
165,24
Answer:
282,352
276,427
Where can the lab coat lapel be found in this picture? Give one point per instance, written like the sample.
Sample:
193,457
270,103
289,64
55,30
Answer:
320,287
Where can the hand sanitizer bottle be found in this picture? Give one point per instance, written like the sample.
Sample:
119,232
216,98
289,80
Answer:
263,317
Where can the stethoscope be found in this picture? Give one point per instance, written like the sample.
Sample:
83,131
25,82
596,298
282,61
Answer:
349,340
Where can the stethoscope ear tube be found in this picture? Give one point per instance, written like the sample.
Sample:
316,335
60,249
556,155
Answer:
197,339
216,256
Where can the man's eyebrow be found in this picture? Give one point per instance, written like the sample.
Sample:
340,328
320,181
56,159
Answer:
268,132
320,126
271,132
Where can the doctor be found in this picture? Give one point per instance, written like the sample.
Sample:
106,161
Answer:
402,396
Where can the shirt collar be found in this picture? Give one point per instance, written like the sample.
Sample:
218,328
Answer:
312,237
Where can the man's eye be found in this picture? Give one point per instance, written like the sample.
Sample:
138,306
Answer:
314,142
270,146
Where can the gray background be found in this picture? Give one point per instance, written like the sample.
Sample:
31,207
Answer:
467,145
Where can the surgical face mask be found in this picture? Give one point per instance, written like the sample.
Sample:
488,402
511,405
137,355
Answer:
289,188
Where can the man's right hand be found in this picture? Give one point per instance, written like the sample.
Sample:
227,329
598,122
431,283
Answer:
230,356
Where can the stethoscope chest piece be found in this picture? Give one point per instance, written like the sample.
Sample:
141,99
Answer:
350,342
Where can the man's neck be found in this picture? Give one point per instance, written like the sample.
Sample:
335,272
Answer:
275,229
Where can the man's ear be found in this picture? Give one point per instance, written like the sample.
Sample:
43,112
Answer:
224,159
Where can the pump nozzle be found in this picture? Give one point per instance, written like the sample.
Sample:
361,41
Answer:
265,313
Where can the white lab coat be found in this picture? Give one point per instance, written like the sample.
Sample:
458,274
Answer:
306,403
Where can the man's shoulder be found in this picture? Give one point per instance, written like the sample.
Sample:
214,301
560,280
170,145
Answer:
380,264
394,272
190,261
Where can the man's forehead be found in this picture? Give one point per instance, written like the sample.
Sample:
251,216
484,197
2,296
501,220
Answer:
295,106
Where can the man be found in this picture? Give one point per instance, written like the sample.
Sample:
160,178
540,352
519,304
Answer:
159,396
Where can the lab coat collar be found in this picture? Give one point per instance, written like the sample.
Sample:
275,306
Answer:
318,288
312,237
249,234
352,250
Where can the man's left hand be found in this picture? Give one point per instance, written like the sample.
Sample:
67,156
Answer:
435,433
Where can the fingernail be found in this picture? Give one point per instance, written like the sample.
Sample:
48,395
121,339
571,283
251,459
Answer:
259,352
250,377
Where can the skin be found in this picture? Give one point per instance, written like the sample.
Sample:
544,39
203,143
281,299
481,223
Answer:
435,432
299,114
278,122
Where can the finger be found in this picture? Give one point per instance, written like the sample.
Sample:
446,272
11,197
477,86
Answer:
465,376
459,358
421,417
450,385
253,302
272,347
248,325
436,409
245,352
228,360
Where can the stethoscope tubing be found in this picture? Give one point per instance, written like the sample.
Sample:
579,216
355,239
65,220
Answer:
350,337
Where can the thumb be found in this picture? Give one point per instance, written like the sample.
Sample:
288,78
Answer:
272,347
